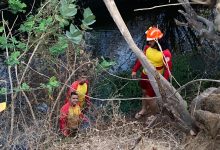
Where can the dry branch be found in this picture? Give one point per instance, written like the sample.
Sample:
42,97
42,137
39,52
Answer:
197,22
160,6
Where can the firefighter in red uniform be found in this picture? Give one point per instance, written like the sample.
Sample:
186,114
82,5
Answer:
71,117
161,61
81,87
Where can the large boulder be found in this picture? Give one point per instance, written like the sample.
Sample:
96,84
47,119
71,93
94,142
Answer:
205,109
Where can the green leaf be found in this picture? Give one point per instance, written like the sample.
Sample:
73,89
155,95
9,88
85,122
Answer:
3,42
42,85
75,31
16,6
72,1
64,3
106,64
59,47
58,18
21,46
3,91
43,24
25,87
14,40
68,10
28,25
49,20
63,22
53,82
6,43
13,58
1,29
88,19
74,39
12,44
87,12
75,35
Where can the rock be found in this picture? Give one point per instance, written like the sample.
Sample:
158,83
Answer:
212,103
201,142
205,108
42,107
197,102
209,121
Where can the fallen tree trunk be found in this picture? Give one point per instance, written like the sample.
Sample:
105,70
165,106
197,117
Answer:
166,93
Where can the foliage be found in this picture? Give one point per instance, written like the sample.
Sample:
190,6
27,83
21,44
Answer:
16,6
3,42
105,64
68,8
88,18
28,25
67,11
3,91
53,83
47,27
1,29
59,47
181,69
13,58
186,68
130,90
43,23
120,88
24,87
75,35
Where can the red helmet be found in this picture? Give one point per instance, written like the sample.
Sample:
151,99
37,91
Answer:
153,33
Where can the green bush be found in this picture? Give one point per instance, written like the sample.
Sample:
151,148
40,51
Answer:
120,88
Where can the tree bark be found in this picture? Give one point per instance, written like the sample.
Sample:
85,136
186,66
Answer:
197,22
175,103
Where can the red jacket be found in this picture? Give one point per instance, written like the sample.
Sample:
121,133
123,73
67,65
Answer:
168,58
64,112
74,87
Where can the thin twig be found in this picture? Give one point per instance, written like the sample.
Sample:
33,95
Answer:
166,5
197,80
94,98
31,8
11,87
30,59
123,78
35,70
30,107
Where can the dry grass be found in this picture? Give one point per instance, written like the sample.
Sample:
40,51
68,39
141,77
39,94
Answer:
115,132
120,133
130,136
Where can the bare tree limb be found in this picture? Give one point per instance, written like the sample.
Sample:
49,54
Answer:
195,21
11,87
160,6
179,23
